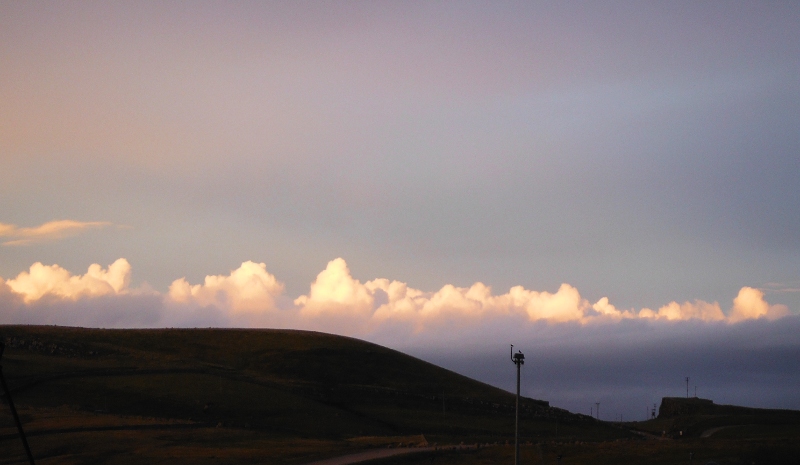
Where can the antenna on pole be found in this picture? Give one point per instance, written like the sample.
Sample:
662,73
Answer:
519,360
14,410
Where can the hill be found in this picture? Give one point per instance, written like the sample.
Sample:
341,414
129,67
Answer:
672,407
695,417
247,396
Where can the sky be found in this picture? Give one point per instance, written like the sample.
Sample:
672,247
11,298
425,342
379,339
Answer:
610,186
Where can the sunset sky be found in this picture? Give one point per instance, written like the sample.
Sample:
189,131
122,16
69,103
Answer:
614,187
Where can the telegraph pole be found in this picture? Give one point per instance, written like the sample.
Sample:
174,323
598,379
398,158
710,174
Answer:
519,360
14,410
687,387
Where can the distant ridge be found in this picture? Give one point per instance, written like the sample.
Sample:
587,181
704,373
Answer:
672,407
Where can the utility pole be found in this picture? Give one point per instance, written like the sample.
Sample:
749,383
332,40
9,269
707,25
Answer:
519,360
687,387
14,410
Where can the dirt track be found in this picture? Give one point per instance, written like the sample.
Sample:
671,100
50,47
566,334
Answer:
383,453
371,455
707,433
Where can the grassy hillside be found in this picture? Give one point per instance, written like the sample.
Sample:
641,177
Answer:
291,397
246,396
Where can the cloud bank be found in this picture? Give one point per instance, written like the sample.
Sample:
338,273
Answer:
336,302
579,352
49,231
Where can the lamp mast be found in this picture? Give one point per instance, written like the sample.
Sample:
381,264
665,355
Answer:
519,360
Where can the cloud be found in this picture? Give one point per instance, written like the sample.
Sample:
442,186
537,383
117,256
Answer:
699,310
52,280
605,309
626,359
336,292
49,231
102,297
750,304
248,289
782,287
337,302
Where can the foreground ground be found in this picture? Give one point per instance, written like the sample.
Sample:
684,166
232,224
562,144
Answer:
292,397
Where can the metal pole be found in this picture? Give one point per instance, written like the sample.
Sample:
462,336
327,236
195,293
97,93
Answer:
519,360
516,423
14,410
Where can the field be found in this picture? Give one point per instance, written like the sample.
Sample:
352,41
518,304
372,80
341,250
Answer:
293,397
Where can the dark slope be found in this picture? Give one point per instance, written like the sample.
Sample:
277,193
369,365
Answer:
280,382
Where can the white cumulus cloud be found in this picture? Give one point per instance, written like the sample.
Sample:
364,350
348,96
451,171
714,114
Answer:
247,289
336,292
52,280
750,304
251,296
697,310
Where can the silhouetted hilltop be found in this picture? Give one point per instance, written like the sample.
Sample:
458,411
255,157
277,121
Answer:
279,382
672,407
676,406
